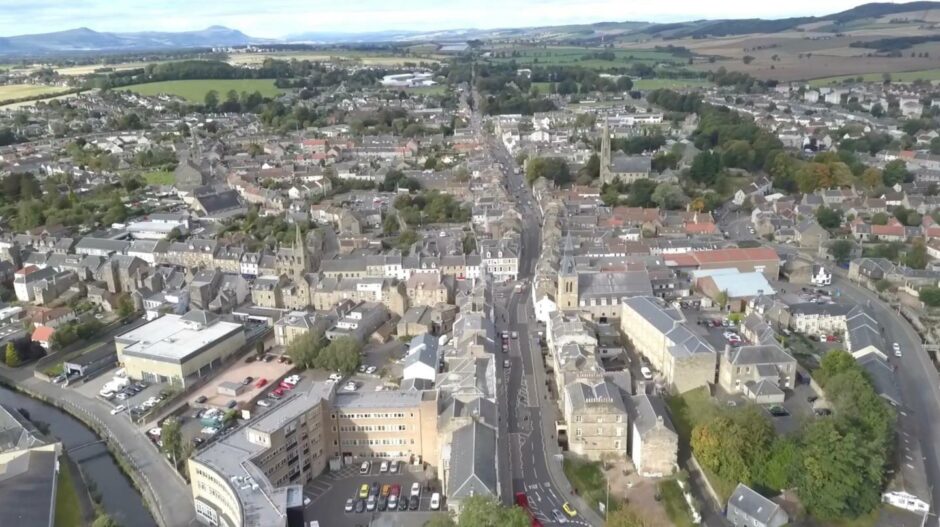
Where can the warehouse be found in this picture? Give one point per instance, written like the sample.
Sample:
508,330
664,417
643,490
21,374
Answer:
178,349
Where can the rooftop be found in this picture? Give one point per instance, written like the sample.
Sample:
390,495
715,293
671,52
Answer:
175,338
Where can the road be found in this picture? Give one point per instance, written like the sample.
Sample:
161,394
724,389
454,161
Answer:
525,400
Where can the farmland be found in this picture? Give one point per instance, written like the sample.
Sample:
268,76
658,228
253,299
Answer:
195,90
365,58
905,76
11,92
674,84
591,58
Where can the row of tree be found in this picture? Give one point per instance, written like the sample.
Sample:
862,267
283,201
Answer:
837,464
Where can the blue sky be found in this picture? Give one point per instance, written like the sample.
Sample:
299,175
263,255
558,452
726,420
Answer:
277,18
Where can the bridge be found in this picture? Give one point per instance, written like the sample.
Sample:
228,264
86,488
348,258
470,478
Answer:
87,444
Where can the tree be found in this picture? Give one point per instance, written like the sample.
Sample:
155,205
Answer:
935,146
590,171
406,239
916,257
211,100
305,349
705,167
871,178
829,218
103,520
641,193
440,519
172,438
125,306
841,250
668,196
930,296
624,517
896,172
834,363
733,444
12,357
879,218
480,511
341,355
781,468
722,298
551,168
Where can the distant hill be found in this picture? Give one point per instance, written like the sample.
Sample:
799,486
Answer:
721,28
84,39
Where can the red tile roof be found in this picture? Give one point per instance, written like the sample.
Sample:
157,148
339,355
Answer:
43,333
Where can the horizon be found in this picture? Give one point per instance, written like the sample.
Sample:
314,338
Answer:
280,19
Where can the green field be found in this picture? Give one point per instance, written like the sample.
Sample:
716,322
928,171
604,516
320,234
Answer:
68,510
905,76
18,91
578,56
437,89
159,177
195,90
588,478
674,84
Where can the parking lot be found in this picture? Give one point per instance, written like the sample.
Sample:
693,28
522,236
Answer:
270,368
129,400
329,493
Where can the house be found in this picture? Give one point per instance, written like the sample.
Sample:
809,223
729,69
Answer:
654,443
808,233
747,508
821,276
471,470
761,371
43,335
422,359
596,417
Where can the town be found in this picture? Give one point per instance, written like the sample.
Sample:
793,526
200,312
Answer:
458,285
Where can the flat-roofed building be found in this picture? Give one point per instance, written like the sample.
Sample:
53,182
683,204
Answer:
178,349
386,424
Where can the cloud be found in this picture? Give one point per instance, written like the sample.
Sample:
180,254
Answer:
276,18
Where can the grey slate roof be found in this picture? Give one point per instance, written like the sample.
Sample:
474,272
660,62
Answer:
473,475
583,392
753,504
646,411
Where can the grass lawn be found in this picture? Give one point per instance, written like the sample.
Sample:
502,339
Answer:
18,91
68,511
674,503
905,76
159,177
437,89
55,369
195,90
674,84
588,479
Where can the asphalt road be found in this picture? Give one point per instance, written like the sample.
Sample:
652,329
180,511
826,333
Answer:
529,408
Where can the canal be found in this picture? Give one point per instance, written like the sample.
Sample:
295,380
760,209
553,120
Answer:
118,496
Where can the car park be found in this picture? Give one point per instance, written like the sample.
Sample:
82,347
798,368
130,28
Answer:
264,403
261,382
118,409
364,489
370,503
360,505
415,490
383,468
393,467
403,503
350,386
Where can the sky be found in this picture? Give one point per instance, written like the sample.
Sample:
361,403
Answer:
278,18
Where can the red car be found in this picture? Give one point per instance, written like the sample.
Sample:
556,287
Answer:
522,500
278,392
285,386
261,382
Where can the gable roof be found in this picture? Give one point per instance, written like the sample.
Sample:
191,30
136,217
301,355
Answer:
473,462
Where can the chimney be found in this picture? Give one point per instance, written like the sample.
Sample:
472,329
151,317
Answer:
728,351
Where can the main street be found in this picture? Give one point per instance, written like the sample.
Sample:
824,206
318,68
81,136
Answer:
530,409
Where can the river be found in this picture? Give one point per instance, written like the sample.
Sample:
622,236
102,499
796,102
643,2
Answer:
118,496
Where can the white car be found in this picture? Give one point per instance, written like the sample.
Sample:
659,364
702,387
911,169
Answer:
435,501
155,432
393,467
415,489
365,467
350,386
370,505
383,468
118,409
264,403
371,369
349,505
897,349
646,373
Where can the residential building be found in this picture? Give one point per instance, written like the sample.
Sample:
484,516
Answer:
596,417
29,471
760,371
747,508
654,443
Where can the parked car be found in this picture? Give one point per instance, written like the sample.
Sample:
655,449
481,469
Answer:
393,467
118,409
558,516
335,377
365,468
515,335
364,488
374,491
371,369
646,373
413,503
435,501
370,503
264,403
506,363
350,505
360,506
261,382
383,468
897,349
201,399
350,386
247,380
415,490
231,404
403,503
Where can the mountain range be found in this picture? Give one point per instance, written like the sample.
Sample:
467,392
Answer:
87,40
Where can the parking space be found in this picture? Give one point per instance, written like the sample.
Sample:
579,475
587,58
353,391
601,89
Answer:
135,397
384,360
241,382
330,493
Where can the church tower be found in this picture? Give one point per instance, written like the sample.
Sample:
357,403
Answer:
567,296
301,261
605,152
